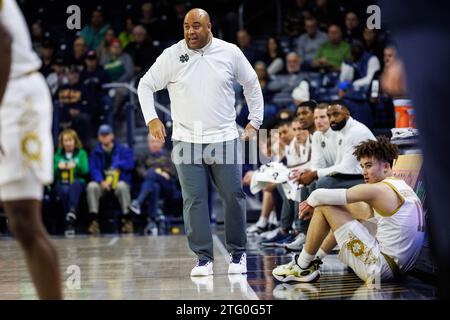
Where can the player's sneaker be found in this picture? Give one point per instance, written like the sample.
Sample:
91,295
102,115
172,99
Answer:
238,264
135,207
270,234
278,240
259,227
297,244
293,272
94,228
202,268
127,226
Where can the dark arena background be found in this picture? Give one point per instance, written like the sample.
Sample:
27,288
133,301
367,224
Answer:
93,55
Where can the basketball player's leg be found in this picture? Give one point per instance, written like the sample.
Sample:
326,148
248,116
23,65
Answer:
331,218
324,220
25,221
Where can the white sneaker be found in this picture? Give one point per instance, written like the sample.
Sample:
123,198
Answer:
270,234
297,244
260,226
202,268
238,264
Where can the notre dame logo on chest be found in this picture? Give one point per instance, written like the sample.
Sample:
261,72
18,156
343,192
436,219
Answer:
184,58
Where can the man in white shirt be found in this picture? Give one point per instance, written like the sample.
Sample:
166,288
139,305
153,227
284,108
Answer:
198,72
324,140
323,154
305,118
346,171
26,148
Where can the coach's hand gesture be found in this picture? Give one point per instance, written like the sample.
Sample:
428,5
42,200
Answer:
157,129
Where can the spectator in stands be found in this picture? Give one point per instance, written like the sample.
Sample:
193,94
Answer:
47,53
353,28
326,12
274,58
126,36
293,21
74,110
119,66
111,167
150,22
141,50
390,56
78,54
283,85
269,108
70,167
159,180
94,33
103,51
58,77
37,37
244,41
372,43
309,43
120,69
358,70
176,19
330,55
354,81
92,79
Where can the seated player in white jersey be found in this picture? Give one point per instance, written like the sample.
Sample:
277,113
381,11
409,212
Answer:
336,214
26,148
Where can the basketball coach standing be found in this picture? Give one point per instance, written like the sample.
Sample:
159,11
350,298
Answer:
198,72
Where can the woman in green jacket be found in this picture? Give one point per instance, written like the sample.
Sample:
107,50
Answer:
70,167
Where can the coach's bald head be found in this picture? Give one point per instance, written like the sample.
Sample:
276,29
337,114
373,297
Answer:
197,28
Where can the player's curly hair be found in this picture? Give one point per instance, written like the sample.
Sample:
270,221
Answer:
381,149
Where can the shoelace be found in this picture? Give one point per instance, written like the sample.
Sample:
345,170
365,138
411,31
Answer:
237,260
316,263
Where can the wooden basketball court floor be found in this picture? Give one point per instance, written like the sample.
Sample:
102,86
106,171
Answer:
114,267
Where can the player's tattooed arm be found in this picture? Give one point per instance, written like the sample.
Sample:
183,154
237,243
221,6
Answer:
5,61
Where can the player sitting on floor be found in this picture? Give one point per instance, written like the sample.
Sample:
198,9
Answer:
389,201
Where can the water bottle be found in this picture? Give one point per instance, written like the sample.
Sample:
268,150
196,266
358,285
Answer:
375,89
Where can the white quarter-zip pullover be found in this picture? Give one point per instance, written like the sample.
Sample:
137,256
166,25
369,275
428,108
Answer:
200,85
324,149
352,134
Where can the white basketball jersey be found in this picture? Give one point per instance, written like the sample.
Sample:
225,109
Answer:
401,233
24,59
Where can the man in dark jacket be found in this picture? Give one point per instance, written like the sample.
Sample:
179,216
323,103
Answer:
111,169
141,50
92,79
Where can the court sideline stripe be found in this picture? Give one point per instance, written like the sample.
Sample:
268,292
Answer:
113,241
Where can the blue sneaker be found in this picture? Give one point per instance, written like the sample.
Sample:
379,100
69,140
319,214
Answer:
278,240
